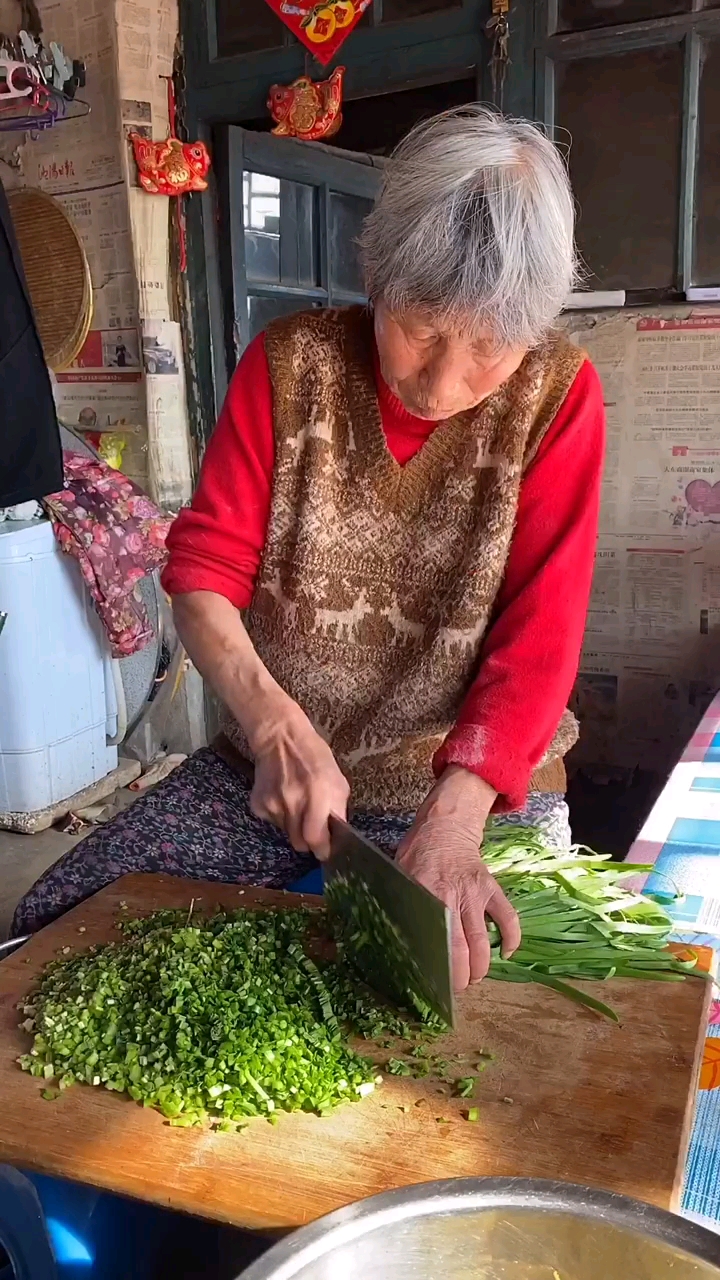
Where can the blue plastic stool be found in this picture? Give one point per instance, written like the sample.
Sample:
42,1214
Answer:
99,1236
23,1233
68,1209
96,1235
311,883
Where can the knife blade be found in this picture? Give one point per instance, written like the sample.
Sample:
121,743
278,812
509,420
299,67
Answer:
396,931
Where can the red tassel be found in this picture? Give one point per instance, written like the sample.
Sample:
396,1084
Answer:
182,234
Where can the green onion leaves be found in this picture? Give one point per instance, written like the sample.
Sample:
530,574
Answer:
577,918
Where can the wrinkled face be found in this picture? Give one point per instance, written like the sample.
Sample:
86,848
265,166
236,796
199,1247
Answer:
435,370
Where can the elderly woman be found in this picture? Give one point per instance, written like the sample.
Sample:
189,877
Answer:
385,570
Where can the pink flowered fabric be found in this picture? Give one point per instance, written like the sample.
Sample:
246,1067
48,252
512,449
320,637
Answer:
117,535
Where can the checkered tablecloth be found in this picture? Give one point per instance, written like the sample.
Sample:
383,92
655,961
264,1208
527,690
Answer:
681,839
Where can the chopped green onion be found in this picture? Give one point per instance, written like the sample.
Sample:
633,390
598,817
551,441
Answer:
212,1021
465,1087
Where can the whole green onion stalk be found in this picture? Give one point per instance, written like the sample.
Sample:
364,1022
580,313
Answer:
578,918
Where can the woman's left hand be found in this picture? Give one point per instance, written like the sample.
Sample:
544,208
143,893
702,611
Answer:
441,851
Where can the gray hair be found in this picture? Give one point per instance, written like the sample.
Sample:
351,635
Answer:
475,224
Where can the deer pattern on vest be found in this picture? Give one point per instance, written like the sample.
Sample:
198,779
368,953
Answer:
378,581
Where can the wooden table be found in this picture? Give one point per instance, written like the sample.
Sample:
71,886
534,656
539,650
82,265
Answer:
569,1096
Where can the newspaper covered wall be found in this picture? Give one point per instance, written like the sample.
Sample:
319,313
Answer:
651,657
80,163
87,165
146,35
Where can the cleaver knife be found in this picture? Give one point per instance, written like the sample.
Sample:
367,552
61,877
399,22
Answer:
396,931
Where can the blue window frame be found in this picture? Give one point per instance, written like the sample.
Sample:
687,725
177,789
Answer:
290,214
637,84
384,53
399,45
636,81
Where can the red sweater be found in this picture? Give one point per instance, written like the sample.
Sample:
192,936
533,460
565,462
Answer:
530,652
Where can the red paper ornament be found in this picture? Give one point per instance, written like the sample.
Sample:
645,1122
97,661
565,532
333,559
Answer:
322,25
171,167
307,109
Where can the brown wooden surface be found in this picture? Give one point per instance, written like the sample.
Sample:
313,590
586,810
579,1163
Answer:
591,1102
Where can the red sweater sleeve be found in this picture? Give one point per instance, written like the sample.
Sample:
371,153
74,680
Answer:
531,652
216,543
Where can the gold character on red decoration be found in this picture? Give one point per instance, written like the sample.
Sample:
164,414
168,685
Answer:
307,109
170,167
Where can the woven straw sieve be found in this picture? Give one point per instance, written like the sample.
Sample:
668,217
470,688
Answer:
57,272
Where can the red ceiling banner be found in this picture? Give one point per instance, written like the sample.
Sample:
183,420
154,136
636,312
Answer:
322,27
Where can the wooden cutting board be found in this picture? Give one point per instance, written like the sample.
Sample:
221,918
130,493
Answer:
569,1096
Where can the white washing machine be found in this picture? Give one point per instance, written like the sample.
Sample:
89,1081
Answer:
58,706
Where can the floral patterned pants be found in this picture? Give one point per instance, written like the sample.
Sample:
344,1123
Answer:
197,823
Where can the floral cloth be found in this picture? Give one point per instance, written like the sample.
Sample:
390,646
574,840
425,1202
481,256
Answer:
117,535
197,823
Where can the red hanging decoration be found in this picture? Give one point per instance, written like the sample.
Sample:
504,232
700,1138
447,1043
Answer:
171,167
322,26
307,109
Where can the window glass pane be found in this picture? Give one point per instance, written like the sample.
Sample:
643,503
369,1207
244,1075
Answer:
298,253
623,116
279,220
395,10
579,15
262,310
707,254
261,216
347,214
245,26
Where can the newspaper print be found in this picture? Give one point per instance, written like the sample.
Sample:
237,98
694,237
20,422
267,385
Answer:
651,658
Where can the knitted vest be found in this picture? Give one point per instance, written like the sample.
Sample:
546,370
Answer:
378,581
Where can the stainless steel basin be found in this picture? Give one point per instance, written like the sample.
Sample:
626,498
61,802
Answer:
495,1229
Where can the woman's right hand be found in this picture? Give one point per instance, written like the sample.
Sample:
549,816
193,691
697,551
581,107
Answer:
298,784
